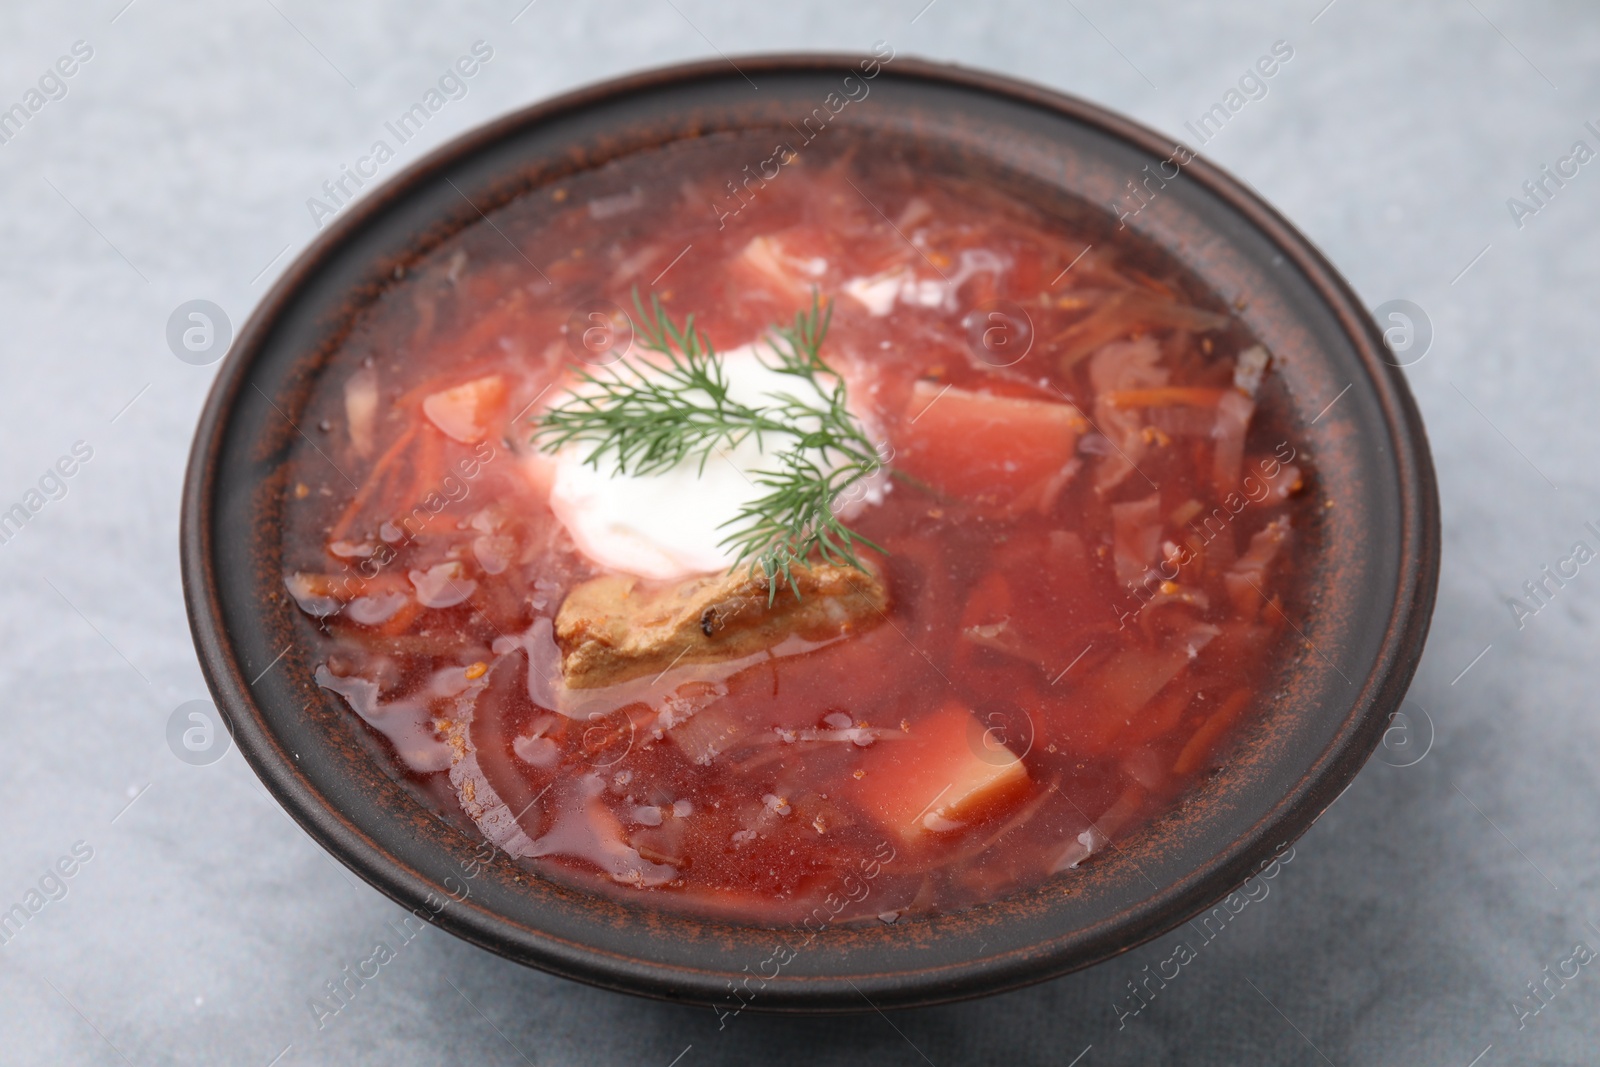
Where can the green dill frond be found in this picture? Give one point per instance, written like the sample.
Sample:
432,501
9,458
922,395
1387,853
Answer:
647,423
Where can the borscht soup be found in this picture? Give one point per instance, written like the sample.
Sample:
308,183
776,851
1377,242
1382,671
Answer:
842,535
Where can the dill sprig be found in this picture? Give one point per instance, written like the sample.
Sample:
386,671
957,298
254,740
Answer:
652,419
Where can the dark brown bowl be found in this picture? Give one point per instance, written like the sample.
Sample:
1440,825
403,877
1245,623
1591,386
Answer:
1364,607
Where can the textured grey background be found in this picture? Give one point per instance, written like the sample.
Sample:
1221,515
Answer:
178,166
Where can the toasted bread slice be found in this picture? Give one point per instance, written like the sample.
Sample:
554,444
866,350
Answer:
618,627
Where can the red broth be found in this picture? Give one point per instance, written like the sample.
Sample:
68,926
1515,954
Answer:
1088,544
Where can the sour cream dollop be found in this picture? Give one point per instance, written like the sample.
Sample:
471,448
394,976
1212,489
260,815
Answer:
672,524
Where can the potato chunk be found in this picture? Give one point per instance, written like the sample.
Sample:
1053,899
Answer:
618,627
949,770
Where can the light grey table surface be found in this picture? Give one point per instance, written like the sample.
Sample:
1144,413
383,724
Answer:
177,166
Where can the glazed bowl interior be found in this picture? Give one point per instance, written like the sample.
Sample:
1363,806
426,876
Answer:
1364,594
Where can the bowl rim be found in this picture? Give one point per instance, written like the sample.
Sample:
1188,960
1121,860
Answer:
1395,661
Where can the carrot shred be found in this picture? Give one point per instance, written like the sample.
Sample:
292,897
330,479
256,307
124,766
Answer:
1170,396
427,466
400,621
1124,314
374,479
1210,731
